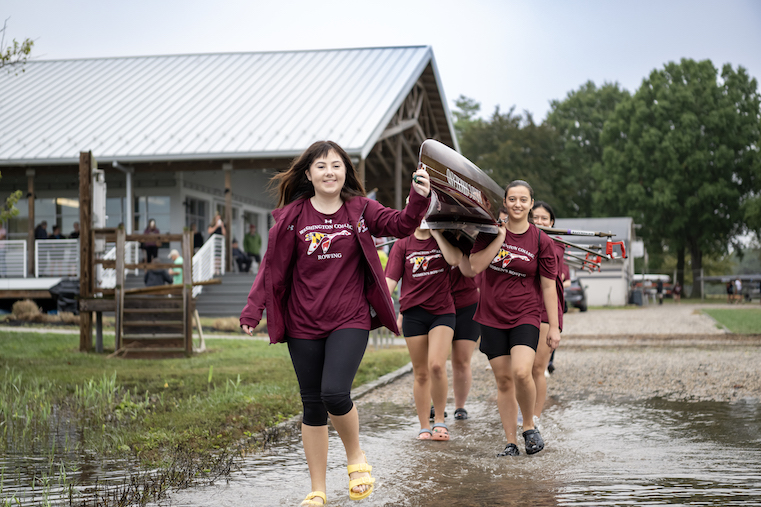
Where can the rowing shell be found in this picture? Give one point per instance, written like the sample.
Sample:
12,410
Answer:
463,197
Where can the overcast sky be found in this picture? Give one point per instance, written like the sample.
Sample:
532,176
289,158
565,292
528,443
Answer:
500,53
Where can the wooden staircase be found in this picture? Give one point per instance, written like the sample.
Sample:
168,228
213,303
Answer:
154,325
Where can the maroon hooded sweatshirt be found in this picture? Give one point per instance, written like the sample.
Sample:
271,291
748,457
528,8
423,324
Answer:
271,288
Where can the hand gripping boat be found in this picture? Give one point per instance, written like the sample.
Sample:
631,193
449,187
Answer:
463,197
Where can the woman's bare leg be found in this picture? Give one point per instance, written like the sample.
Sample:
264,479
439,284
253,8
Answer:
439,344
462,377
522,362
347,426
542,359
315,441
508,407
421,388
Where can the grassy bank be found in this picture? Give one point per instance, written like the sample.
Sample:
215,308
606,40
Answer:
737,320
146,408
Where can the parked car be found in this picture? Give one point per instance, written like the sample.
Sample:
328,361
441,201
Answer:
576,296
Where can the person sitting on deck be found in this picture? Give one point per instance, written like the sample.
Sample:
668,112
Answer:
158,276
176,272
242,258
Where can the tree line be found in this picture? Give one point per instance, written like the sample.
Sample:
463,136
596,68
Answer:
680,156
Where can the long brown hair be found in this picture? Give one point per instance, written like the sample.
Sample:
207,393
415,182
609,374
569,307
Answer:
521,183
293,184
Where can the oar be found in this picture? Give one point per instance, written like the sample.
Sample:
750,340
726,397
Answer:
573,232
582,248
583,260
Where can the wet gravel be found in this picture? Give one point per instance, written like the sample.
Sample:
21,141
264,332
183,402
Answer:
671,352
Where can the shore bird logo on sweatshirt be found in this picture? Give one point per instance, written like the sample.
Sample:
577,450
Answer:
506,257
317,239
421,261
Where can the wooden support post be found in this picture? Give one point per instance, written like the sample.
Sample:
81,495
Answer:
187,289
398,202
361,172
228,170
30,211
201,341
119,288
99,332
86,163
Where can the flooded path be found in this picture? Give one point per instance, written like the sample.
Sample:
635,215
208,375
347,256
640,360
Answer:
598,453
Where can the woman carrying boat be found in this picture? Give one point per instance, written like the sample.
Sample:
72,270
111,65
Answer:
322,285
467,330
519,270
544,216
423,261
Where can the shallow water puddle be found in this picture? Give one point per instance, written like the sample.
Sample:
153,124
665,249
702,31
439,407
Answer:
598,453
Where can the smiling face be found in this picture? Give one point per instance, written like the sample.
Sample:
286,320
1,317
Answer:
328,175
542,217
518,202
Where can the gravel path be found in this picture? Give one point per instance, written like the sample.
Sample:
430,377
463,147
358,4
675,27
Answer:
669,351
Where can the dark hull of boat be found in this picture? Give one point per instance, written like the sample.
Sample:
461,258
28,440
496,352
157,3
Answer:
464,197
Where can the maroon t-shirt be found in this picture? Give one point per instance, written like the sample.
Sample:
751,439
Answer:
329,269
510,292
560,250
464,289
424,273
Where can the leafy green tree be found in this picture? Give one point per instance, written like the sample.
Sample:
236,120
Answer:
579,120
510,146
15,55
9,209
681,155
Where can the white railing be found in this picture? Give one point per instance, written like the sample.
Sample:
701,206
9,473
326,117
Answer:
107,277
56,257
13,258
209,261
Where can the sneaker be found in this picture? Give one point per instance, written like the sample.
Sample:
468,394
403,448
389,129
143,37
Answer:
433,414
534,442
510,450
460,414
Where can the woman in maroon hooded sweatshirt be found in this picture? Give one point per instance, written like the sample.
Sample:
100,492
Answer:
322,285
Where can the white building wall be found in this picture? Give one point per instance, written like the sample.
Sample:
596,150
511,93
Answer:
605,291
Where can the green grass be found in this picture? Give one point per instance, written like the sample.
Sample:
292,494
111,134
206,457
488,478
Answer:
737,320
210,401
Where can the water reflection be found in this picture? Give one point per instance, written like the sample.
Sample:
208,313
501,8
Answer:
623,453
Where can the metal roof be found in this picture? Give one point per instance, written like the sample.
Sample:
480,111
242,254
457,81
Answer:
204,106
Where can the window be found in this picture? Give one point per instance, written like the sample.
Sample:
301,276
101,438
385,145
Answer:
197,212
60,211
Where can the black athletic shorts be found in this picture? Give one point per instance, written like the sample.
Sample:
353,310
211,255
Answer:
498,342
417,322
467,328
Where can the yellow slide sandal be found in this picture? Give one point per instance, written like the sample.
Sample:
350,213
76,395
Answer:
361,467
309,500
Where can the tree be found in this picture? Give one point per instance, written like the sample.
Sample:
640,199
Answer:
681,156
510,146
12,56
17,53
578,121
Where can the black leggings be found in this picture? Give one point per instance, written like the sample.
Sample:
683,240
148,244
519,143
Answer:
325,369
